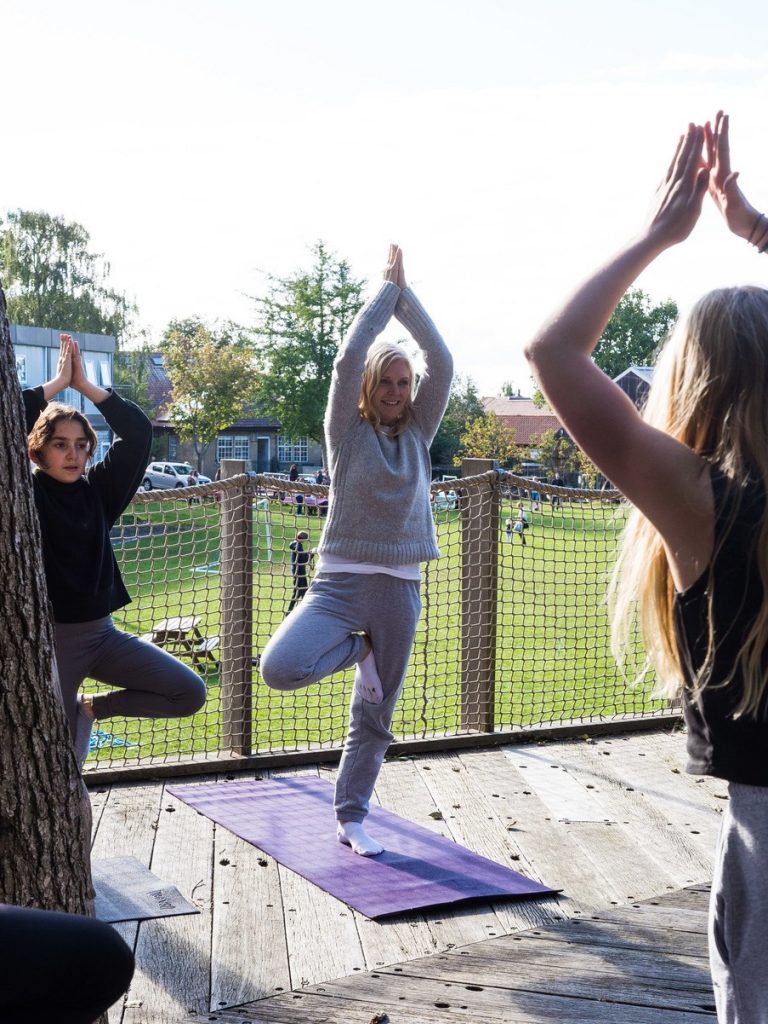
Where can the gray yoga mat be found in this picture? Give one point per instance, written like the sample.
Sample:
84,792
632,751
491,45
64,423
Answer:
292,820
128,891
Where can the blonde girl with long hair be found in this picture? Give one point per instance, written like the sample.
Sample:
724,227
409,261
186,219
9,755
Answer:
694,556
694,559
363,604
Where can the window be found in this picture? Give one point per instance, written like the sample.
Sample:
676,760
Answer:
173,447
229,446
21,369
103,439
292,449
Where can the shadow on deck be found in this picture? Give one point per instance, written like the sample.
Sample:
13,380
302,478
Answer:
614,822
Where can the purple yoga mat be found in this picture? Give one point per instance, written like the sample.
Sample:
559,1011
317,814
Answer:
292,820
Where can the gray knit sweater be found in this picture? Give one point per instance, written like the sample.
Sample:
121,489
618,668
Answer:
379,501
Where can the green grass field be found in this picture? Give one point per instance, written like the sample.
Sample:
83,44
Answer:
552,658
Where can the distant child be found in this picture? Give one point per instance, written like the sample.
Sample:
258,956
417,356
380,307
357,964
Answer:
300,559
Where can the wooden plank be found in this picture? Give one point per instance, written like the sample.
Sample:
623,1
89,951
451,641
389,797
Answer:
320,931
565,796
126,827
249,955
614,852
174,954
319,1009
401,789
476,1001
476,824
684,800
639,816
554,852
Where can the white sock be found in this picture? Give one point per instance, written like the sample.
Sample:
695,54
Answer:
367,682
83,728
352,833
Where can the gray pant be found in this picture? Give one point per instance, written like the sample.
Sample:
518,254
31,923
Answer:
321,637
738,911
153,684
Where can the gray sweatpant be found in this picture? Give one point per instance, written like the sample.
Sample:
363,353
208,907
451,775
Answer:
153,684
738,910
321,636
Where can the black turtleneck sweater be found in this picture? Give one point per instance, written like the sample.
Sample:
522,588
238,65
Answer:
83,579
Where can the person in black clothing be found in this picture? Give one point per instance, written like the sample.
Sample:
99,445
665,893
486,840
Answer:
77,505
59,967
293,473
300,559
693,562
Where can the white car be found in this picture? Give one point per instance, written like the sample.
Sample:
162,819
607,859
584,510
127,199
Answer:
162,475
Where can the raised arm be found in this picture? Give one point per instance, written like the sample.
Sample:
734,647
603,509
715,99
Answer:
741,217
36,399
657,473
435,381
341,412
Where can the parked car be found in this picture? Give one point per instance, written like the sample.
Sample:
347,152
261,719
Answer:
446,501
164,475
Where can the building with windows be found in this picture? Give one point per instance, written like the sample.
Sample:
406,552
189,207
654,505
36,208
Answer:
254,439
37,353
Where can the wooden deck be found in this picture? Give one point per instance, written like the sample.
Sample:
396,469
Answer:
644,964
612,821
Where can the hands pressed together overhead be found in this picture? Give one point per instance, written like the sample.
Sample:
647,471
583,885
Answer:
701,163
393,271
71,374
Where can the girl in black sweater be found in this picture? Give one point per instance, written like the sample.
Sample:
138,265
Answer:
77,505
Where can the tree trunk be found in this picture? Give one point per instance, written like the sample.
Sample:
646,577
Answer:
44,808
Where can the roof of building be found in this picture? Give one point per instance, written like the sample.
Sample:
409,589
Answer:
643,372
527,420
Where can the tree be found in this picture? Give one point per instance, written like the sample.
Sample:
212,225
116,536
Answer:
463,405
488,437
508,390
634,333
212,377
301,324
589,471
130,376
44,809
557,452
54,280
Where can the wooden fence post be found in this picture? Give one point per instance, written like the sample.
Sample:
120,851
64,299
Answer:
479,597
236,557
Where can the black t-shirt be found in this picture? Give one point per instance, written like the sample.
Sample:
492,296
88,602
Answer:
729,748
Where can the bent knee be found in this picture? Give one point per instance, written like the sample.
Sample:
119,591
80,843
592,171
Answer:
192,697
281,673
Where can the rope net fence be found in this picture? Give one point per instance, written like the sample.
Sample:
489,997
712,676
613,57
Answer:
513,632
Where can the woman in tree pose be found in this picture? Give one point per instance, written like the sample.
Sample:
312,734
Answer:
77,505
363,604
694,559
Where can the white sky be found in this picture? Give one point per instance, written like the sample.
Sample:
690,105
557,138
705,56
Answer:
507,146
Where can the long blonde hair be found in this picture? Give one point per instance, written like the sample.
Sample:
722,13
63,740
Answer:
709,391
380,357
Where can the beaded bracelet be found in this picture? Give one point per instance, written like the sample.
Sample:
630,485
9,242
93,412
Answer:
750,240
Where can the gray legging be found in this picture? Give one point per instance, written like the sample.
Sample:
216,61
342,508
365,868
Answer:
153,684
738,910
321,637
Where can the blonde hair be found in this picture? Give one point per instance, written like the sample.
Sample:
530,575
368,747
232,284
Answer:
709,391
45,427
380,357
